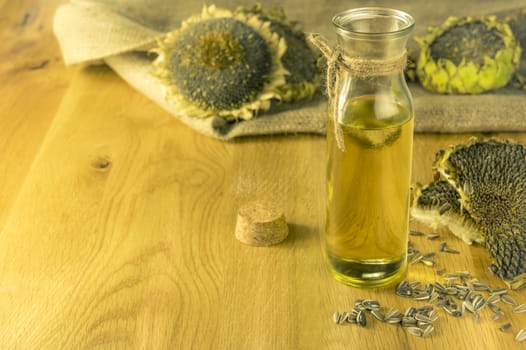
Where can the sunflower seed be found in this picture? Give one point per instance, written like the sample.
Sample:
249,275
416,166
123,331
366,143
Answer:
337,317
427,262
476,317
442,246
378,315
433,236
450,250
498,291
440,271
439,287
478,302
508,299
519,308
505,327
425,309
451,290
428,330
394,319
444,208
416,233
371,304
408,321
416,331
428,255
416,259
521,335
468,306
433,315
423,318
494,308
361,319
493,299
421,295
434,296
496,315
479,286
350,318
393,313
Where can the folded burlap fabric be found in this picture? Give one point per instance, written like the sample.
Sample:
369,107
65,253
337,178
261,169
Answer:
120,33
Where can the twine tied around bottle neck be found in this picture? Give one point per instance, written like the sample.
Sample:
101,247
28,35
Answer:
359,67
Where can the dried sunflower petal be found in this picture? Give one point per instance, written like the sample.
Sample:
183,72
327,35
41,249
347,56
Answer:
221,63
469,55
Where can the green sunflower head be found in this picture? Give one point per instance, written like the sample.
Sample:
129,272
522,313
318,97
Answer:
469,55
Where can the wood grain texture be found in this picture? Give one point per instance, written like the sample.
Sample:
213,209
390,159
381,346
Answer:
33,82
117,231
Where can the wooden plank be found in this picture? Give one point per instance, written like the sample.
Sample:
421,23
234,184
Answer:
117,226
33,83
122,236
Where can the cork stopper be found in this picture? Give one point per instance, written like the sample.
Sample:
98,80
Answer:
260,223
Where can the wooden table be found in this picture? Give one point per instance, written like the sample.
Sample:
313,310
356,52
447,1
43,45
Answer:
117,224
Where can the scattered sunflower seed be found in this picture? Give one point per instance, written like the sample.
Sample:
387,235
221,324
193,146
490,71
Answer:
416,233
428,262
450,250
493,299
433,236
508,299
476,317
428,330
337,318
505,327
494,308
521,335
496,315
416,331
361,319
498,291
519,308
371,304
416,259
378,315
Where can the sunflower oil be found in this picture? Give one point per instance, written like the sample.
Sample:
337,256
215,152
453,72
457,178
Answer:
368,190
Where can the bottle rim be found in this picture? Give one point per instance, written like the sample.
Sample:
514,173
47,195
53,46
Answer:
402,22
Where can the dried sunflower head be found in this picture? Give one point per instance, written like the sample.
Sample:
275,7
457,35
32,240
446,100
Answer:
438,204
488,180
517,25
299,59
469,55
221,63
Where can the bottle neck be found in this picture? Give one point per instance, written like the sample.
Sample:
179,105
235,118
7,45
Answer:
373,33
373,48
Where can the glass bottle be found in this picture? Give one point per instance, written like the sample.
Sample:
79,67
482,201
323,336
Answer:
369,149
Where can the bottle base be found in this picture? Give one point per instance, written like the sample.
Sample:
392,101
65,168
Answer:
374,273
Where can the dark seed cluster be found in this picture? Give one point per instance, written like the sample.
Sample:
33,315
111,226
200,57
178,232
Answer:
472,41
220,63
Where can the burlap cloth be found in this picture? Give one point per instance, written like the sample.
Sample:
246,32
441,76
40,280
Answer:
120,33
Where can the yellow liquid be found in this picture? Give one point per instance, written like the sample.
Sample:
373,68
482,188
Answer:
368,194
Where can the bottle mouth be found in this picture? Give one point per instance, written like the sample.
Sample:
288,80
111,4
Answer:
373,22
